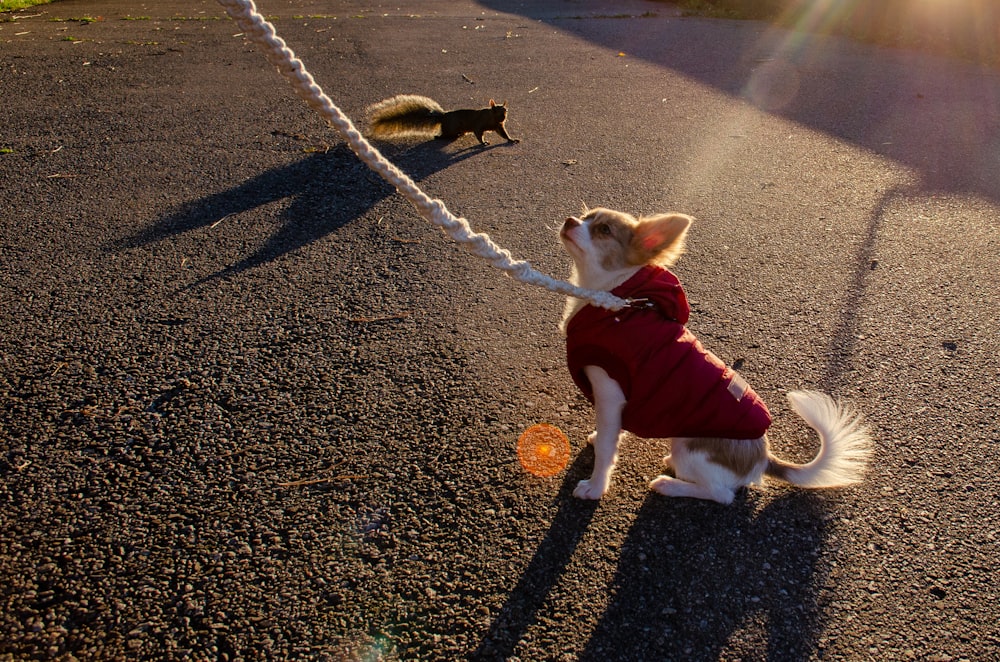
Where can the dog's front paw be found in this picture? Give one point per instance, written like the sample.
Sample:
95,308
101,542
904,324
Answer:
592,437
588,489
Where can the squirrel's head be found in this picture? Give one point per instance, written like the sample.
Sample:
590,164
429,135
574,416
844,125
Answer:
499,110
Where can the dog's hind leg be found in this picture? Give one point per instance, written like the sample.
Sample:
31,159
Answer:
696,476
675,487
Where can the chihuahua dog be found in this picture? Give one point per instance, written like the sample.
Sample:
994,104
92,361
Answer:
646,373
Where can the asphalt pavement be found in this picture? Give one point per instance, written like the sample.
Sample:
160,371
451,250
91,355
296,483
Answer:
252,406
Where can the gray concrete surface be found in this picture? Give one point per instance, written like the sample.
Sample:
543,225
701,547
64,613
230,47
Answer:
254,407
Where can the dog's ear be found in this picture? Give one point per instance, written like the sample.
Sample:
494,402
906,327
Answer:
659,239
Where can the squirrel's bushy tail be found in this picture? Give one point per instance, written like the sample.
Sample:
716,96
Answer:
406,114
845,445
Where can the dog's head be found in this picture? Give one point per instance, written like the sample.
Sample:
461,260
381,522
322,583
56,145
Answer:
604,244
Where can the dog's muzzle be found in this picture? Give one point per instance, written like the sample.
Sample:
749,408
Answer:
570,224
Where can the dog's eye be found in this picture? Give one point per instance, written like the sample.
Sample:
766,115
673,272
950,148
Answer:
602,230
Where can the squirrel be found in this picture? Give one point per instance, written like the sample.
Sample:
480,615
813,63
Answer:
410,114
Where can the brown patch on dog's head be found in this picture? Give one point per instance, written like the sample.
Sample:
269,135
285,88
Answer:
611,233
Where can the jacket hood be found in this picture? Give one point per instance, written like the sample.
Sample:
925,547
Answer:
657,287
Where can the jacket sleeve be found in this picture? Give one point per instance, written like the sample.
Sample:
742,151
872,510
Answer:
580,356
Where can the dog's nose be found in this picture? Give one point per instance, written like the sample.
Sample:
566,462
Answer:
571,222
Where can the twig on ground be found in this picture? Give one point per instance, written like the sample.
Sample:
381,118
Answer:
380,318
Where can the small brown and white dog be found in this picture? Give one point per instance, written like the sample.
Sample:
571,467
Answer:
645,372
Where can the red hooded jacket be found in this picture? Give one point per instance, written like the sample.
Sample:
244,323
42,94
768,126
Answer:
674,387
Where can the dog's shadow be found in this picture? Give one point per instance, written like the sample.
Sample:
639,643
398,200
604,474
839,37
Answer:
699,581
325,191
695,580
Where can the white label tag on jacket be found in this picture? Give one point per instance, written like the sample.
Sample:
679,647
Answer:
738,386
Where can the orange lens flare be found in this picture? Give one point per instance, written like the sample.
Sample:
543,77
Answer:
543,450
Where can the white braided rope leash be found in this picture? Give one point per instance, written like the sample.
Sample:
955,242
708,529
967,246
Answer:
244,12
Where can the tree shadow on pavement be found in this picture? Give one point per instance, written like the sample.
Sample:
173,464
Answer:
696,580
544,570
326,191
844,341
935,115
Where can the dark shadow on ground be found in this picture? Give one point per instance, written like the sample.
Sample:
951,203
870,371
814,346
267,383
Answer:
844,341
696,579
326,191
935,115
545,568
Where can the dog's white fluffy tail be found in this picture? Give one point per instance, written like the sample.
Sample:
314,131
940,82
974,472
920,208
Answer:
845,445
